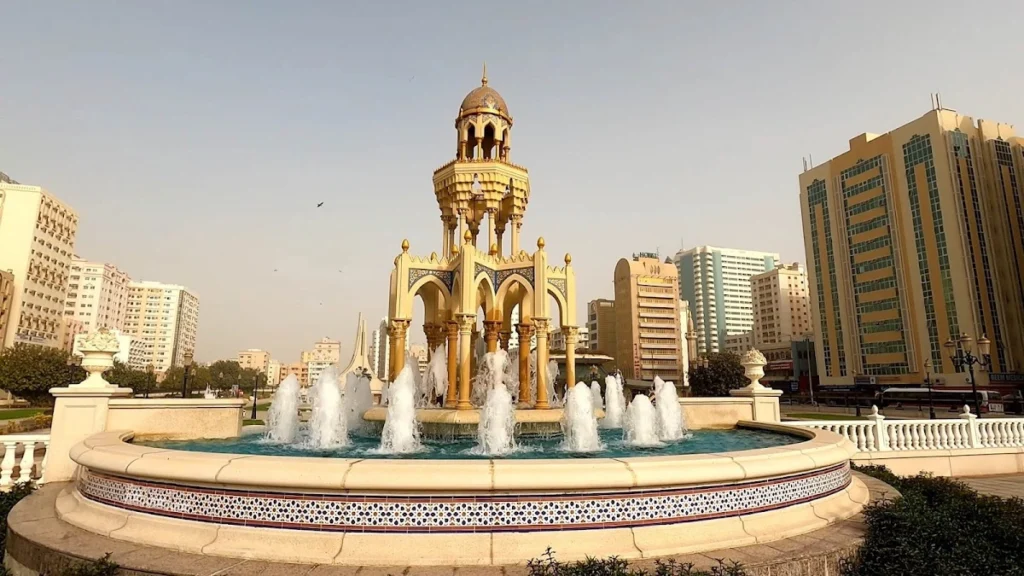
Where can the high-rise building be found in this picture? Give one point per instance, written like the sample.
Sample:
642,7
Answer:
71,328
37,242
299,369
419,352
165,318
325,353
782,306
647,319
254,358
716,284
97,295
601,322
6,300
273,373
375,351
739,343
912,238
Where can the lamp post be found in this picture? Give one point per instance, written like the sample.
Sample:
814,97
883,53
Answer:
186,363
928,382
255,390
810,361
149,377
962,355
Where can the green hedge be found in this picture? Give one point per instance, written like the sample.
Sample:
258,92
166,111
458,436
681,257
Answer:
939,527
549,566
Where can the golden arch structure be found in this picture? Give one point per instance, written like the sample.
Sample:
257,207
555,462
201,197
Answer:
481,192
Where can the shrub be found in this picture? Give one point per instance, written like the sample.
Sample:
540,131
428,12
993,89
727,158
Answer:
939,526
100,567
7,501
547,565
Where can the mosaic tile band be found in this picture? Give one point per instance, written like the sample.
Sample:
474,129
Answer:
482,513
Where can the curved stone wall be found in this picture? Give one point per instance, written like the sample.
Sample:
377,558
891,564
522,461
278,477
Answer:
491,511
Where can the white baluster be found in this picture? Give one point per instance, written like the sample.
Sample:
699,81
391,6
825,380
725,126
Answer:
972,428
943,435
879,429
869,438
42,466
7,464
915,438
28,459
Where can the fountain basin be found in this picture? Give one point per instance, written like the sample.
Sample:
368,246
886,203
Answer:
451,423
458,512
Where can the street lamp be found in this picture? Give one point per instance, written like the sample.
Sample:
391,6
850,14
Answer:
928,382
186,363
962,356
255,390
149,377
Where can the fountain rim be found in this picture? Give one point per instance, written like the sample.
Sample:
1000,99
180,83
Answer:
112,452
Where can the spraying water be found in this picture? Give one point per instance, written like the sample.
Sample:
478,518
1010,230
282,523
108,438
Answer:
595,392
614,403
552,376
358,399
437,374
579,426
209,394
641,423
327,424
510,376
401,430
670,415
496,430
284,412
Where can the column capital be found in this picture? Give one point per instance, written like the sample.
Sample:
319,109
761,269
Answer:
452,328
466,322
572,333
524,330
542,325
398,327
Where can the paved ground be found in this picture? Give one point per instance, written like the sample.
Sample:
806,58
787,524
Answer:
1008,486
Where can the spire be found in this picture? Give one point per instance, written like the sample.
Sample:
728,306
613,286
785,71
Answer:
483,79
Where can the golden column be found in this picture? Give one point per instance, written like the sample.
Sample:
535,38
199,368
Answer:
491,329
474,337
504,337
541,325
572,334
466,324
453,363
525,331
396,340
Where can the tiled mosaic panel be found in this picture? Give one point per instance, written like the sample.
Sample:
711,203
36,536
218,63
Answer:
439,514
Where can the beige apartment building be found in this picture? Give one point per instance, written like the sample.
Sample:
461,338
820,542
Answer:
70,331
254,358
273,373
97,295
6,300
601,324
165,318
324,354
37,242
557,340
739,343
912,238
782,305
649,339
299,369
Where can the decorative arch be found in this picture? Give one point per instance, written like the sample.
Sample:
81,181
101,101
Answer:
563,306
430,282
485,294
516,289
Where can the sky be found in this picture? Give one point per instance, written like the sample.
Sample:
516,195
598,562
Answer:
195,139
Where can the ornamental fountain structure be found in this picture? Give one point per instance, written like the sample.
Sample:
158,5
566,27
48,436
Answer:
482,274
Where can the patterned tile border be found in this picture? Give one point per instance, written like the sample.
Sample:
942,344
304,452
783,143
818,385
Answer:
345,512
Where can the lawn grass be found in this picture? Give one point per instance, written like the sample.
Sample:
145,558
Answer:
19,413
248,422
821,416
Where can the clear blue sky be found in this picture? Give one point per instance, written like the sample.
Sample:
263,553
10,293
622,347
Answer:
196,138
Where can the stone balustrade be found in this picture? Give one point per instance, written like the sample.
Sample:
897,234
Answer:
24,459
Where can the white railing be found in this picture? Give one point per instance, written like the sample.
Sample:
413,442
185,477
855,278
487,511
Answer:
24,459
878,434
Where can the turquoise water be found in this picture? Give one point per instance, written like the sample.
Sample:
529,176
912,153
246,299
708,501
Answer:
697,442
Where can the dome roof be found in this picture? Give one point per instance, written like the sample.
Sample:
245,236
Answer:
484,97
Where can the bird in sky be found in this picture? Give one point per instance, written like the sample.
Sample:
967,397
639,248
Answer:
320,204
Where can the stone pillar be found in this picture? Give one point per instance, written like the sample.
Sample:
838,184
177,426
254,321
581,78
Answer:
541,325
435,337
524,331
81,409
444,235
764,401
572,334
492,232
504,337
516,218
452,329
466,324
474,338
491,329
500,232
396,337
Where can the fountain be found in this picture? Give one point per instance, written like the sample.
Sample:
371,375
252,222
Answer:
327,423
595,392
283,417
486,484
496,431
209,394
401,433
358,398
579,425
641,423
670,417
614,403
437,373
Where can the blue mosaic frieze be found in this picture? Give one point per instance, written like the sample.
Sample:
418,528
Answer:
502,275
446,277
348,512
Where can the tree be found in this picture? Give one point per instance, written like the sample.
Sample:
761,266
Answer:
29,371
723,373
125,376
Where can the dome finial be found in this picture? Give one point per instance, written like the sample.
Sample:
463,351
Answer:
483,79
